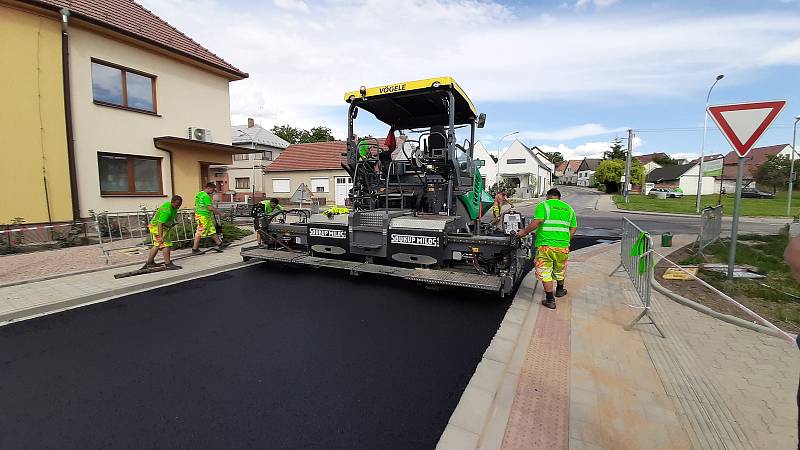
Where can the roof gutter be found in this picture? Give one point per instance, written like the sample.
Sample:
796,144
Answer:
73,173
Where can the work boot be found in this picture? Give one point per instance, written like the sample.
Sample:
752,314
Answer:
197,251
549,303
560,292
172,266
148,265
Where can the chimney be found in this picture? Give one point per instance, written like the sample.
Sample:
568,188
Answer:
250,122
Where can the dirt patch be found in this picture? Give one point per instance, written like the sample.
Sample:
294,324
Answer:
693,290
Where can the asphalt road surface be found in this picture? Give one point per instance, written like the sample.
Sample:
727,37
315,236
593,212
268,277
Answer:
260,357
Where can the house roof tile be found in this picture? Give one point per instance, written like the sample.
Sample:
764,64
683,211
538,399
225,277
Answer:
754,159
314,156
668,173
241,134
574,164
134,20
644,159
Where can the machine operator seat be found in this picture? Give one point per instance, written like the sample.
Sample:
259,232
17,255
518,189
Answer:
437,143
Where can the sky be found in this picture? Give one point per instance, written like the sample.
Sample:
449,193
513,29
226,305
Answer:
568,76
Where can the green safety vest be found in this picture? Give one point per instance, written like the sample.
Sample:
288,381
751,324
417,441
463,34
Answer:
268,207
558,217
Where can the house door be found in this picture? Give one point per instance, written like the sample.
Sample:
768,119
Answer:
342,189
204,174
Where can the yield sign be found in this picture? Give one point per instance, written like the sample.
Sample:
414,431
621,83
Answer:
744,123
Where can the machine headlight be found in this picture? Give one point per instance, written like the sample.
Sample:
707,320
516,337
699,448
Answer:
436,84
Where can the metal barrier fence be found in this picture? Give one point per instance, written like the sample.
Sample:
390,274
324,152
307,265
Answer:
636,257
21,238
710,227
120,231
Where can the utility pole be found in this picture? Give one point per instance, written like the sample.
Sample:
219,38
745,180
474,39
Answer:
791,169
703,146
626,187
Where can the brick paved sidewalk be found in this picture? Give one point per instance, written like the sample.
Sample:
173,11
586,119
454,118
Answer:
575,379
40,297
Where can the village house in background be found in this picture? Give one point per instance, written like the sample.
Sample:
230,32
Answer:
647,161
318,165
753,161
586,172
683,176
558,174
489,169
570,176
244,179
527,169
130,112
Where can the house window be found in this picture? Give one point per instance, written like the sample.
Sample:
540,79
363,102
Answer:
280,185
343,180
119,86
241,157
319,185
129,175
243,183
516,161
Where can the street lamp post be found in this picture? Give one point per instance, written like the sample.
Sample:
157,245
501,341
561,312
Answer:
703,146
791,169
499,143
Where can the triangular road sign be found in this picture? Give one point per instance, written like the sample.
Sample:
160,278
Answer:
743,124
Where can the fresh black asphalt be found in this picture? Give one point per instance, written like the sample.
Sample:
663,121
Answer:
260,357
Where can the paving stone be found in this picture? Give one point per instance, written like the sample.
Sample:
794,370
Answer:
455,438
472,410
488,375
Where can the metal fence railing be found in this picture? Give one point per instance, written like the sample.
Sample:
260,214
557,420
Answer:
22,238
637,259
123,230
710,227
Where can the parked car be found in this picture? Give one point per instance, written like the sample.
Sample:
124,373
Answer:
671,193
751,192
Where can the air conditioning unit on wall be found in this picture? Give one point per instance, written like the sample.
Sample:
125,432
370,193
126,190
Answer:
200,134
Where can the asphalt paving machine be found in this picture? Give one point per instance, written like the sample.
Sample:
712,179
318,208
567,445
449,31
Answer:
416,204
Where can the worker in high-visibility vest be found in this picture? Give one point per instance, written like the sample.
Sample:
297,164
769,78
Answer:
163,220
555,224
270,206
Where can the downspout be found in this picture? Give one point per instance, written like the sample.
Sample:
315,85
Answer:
171,167
73,173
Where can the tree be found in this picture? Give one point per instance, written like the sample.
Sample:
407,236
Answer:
294,135
616,151
318,134
775,172
288,133
610,172
555,157
664,160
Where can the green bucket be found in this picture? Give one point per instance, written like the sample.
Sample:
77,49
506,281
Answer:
666,240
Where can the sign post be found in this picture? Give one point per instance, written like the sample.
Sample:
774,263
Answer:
743,125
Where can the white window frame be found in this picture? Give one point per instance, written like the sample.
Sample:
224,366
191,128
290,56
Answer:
236,183
326,187
275,188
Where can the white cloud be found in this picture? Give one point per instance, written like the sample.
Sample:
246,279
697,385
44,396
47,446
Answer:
588,150
583,4
685,155
291,5
302,63
569,133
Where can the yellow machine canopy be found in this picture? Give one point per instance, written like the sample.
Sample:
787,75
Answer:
415,104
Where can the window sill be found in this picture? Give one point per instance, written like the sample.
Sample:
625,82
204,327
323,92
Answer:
132,194
125,108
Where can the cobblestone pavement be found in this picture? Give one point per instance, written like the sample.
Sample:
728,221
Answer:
707,385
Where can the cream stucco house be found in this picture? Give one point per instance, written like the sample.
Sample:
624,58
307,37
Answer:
147,108
318,165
